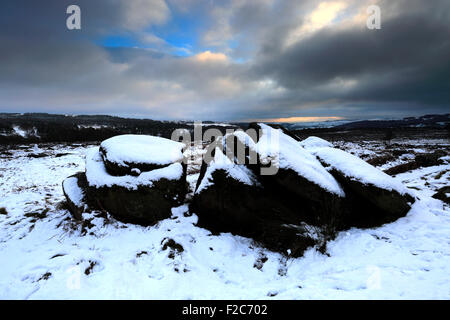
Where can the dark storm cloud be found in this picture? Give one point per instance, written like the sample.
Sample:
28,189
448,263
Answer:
339,69
48,17
407,60
37,49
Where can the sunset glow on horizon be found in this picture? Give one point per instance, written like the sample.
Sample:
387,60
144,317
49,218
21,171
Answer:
298,119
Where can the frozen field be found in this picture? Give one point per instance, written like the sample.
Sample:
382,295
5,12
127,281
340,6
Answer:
45,254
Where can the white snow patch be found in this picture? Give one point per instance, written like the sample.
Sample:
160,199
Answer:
25,133
98,177
359,170
131,148
222,162
20,132
73,191
243,137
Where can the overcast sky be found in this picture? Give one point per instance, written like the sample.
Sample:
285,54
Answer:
226,60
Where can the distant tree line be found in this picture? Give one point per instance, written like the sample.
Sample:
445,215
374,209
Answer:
42,127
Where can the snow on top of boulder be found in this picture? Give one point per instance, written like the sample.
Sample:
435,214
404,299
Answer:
357,169
315,142
73,191
289,154
244,138
235,171
133,148
98,177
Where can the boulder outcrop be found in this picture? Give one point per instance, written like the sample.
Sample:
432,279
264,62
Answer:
122,186
373,197
311,191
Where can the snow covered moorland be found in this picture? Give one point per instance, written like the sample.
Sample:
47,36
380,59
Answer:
47,254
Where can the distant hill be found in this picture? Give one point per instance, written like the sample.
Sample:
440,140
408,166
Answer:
427,121
44,127
314,124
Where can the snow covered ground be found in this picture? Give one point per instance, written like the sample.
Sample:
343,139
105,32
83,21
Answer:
44,254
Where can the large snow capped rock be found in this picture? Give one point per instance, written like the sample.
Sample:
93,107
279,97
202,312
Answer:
144,199
132,186
131,154
219,183
373,197
300,180
230,198
289,156
237,193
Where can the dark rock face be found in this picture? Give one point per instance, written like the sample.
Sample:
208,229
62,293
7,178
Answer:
303,199
38,155
367,206
307,201
311,203
441,194
281,211
145,206
252,211
430,159
372,197
218,212
287,212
